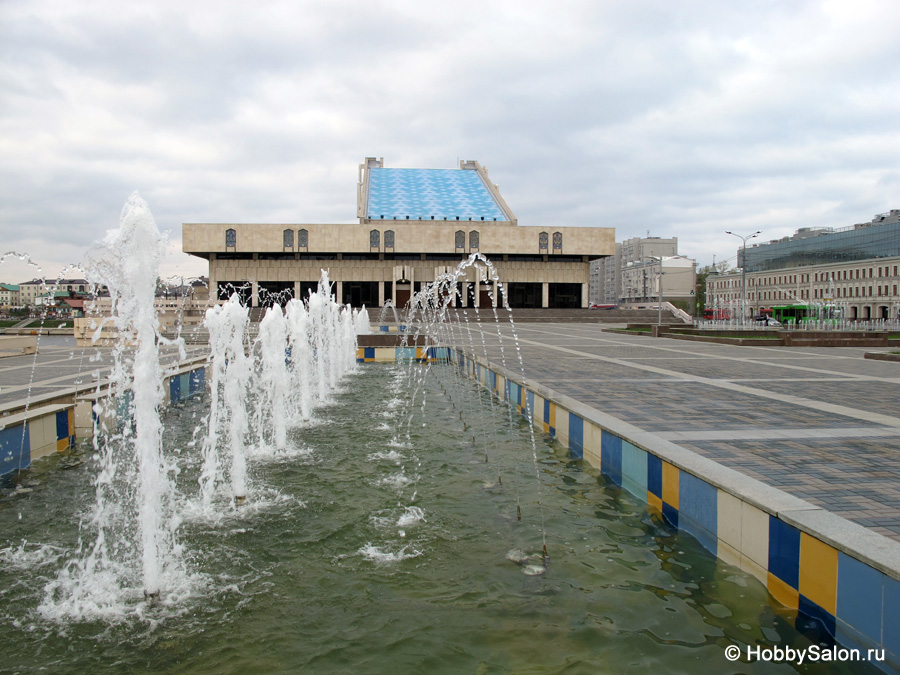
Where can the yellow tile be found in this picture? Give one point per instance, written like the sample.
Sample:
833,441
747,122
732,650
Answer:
818,572
751,567
783,593
538,410
654,502
755,534
37,436
670,484
62,444
552,420
592,458
562,426
44,450
728,554
728,522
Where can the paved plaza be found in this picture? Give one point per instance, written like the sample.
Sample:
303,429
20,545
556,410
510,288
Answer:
59,367
822,424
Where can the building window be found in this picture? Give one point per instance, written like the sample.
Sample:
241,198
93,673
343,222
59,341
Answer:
389,239
543,241
557,241
230,238
302,239
288,236
460,239
473,240
374,239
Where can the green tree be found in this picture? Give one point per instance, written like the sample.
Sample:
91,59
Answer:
702,274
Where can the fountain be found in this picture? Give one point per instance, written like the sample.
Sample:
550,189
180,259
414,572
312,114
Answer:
370,524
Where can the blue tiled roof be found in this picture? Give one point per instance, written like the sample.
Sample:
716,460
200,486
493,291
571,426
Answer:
420,194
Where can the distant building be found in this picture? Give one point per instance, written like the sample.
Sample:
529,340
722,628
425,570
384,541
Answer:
10,296
30,290
632,275
414,225
855,268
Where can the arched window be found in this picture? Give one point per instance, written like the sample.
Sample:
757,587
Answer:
288,236
302,239
473,240
460,239
230,238
389,239
374,239
557,241
543,241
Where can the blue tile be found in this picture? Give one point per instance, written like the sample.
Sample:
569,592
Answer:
814,622
15,448
62,425
546,411
670,513
698,507
576,435
891,620
369,352
848,637
197,380
634,470
860,592
784,551
611,456
174,389
654,475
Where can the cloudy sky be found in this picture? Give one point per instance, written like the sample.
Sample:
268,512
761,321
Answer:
650,116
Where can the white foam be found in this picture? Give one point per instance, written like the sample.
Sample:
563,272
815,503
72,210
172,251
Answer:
392,456
376,554
413,515
398,481
28,556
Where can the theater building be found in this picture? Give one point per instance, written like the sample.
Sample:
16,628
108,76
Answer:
414,224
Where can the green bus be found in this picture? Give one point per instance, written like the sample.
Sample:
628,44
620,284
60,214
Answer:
800,314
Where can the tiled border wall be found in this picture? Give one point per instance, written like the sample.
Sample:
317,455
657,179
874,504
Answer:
391,354
34,434
809,559
45,430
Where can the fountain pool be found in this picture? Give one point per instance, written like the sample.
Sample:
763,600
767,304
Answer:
379,540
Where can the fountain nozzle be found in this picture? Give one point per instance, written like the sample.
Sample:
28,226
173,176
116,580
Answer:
239,501
151,597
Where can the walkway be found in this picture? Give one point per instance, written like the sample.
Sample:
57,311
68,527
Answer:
822,424
60,366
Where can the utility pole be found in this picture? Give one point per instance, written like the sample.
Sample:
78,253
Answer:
744,270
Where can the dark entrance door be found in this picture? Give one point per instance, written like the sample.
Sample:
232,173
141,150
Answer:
403,293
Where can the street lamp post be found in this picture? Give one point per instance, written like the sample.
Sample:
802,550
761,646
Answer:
744,270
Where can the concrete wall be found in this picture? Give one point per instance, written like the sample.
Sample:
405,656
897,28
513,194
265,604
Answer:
412,236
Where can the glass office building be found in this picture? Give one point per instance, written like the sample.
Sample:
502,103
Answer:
879,238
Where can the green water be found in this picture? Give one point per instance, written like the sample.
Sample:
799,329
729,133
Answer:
287,589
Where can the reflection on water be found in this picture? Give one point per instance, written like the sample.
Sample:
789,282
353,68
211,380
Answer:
341,566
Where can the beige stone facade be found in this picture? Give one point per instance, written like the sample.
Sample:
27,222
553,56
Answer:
376,260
